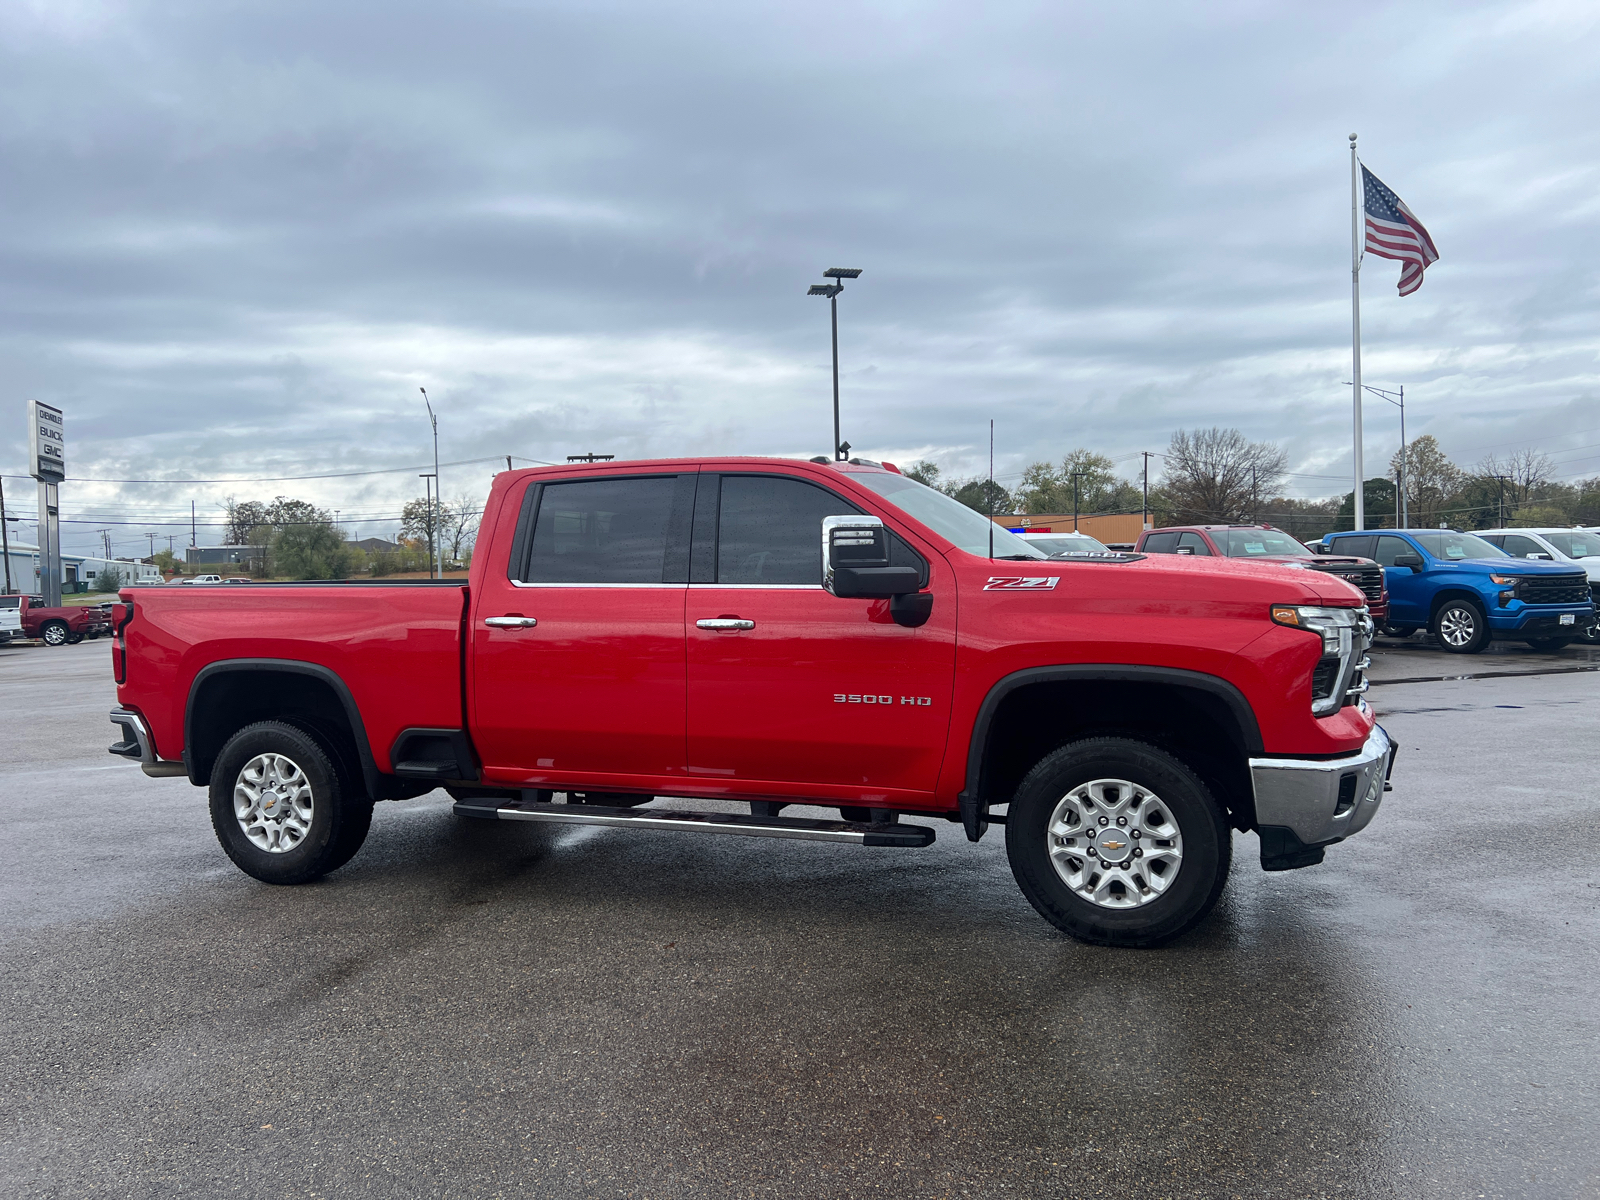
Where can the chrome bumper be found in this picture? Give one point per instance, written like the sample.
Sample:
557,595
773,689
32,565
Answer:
1322,800
137,744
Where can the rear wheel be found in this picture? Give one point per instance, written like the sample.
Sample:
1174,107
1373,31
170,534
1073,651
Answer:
1117,842
1461,627
54,633
279,809
74,638
1399,631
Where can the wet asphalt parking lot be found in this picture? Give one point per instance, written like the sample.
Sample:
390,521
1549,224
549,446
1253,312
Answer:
473,1009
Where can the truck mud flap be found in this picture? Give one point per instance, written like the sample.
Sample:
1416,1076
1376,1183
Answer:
859,833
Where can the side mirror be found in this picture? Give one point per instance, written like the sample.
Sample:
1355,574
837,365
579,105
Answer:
1538,556
1184,550
1414,561
855,565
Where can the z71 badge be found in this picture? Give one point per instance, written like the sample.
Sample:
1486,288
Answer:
1012,583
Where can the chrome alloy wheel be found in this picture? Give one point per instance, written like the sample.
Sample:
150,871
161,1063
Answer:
272,802
54,634
1115,843
1458,625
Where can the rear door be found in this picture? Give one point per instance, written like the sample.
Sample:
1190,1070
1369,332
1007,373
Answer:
578,657
795,691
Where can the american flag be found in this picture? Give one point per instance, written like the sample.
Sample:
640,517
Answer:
1393,231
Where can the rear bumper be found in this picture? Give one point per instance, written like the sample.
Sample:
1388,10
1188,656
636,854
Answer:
1323,800
136,744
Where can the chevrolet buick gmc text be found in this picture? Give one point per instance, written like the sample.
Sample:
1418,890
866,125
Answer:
785,635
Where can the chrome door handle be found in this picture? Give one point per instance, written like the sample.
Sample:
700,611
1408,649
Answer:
724,623
510,622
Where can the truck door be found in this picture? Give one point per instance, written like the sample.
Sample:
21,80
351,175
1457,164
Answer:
577,672
1409,591
792,690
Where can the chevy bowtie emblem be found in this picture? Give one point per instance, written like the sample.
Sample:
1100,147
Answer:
1113,845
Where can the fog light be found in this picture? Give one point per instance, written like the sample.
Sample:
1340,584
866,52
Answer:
1506,598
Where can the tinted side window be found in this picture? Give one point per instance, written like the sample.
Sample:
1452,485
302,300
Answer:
1359,545
770,529
1160,543
1520,547
1388,547
601,531
1193,541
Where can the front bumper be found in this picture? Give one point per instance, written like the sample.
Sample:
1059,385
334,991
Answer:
1322,800
1542,623
137,744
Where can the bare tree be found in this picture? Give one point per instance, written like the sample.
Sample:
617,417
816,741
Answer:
1524,472
461,530
1217,475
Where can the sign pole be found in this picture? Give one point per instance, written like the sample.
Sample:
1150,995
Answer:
49,545
5,536
1355,332
47,446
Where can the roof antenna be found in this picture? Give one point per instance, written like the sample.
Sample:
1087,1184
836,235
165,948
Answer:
990,489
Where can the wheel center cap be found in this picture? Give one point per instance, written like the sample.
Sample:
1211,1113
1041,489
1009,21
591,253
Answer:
271,804
1114,844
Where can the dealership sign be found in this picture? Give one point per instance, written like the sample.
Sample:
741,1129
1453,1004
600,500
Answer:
47,442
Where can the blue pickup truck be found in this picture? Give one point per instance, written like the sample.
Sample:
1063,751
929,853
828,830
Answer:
1466,591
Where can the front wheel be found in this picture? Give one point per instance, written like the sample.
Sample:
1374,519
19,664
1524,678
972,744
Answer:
55,633
1118,843
1461,627
1591,634
278,807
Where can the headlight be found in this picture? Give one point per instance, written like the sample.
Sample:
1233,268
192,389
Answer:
1502,580
1336,626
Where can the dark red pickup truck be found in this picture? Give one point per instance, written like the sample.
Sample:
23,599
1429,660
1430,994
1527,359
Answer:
61,626
788,636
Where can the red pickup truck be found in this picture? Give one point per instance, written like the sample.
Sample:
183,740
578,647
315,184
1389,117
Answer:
784,635
61,625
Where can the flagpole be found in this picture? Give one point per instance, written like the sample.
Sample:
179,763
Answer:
1355,332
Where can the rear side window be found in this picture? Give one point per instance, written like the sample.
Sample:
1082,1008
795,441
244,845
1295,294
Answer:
601,531
1518,546
1161,543
1360,545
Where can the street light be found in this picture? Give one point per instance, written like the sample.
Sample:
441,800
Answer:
433,505
1076,475
1398,399
841,449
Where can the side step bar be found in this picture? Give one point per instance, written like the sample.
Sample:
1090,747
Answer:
859,833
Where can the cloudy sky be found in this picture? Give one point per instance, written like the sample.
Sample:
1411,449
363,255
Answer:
238,237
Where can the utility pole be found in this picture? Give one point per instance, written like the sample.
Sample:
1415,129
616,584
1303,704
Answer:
1076,475
429,510
194,536
433,519
5,536
1502,501
1255,500
151,534
841,449
1146,454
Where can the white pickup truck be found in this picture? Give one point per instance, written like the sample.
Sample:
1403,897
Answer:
10,618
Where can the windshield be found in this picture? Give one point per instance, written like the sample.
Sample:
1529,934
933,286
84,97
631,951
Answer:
950,519
1253,543
1067,543
1451,546
1576,545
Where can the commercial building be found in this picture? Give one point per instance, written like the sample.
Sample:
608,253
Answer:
75,569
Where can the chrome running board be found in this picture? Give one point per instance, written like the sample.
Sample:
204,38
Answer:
858,833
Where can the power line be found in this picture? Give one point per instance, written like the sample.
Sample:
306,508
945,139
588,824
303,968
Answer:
465,462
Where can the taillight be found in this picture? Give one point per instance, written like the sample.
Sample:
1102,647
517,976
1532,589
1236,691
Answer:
121,614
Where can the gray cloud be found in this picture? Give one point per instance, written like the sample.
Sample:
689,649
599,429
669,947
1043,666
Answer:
238,237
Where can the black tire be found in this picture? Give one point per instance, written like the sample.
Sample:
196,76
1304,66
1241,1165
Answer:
54,633
1461,627
855,813
338,821
74,638
1399,631
1550,645
609,799
1590,636
1203,838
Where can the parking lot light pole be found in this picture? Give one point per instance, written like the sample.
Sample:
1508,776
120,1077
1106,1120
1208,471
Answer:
1076,475
841,449
433,504
1398,399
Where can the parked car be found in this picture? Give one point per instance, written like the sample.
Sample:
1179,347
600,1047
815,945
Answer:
1066,542
1265,544
237,579
1577,545
67,625
10,618
1467,591
726,629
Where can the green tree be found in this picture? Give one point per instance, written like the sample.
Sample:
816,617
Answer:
924,472
1378,495
1432,481
311,550
108,580
984,496
166,561
1047,488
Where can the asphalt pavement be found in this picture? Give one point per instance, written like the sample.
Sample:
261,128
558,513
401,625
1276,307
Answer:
474,1009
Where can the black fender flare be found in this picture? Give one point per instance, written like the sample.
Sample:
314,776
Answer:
283,666
973,807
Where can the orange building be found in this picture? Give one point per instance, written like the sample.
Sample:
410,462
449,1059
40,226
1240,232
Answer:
1118,527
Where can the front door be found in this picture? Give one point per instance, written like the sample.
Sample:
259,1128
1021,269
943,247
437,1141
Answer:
578,673
795,691
1408,590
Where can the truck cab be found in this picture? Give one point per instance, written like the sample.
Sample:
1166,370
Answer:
1467,591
